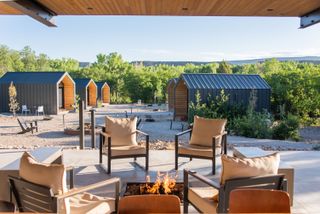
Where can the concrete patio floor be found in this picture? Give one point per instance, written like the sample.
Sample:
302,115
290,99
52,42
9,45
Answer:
88,171
306,164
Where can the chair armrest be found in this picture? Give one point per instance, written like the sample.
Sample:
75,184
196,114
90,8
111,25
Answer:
202,179
105,134
141,132
76,191
184,132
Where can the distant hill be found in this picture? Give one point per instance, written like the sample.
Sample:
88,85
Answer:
309,59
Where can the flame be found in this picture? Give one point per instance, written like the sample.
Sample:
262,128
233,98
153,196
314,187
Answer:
163,180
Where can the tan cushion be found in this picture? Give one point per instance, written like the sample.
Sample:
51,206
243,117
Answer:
49,175
122,130
195,150
233,167
88,203
204,129
127,150
202,198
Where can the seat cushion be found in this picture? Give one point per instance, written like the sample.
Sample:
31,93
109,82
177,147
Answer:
204,129
88,203
196,150
202,198
127,150
233,167
122,130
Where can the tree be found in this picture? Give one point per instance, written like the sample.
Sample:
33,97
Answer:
224,68
13,104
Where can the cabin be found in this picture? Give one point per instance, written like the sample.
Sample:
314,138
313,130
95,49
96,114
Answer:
55,91
170,93
238,87
88,91
103,92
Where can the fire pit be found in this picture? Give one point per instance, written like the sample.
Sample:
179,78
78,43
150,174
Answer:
163,185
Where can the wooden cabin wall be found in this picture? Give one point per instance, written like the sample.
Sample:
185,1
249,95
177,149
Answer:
181,101
106,94
69,93
92,94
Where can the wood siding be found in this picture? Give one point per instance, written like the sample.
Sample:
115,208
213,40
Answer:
92,94
105,94
181,101
69,93
177,7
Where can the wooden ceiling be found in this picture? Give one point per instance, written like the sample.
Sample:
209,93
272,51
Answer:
295,8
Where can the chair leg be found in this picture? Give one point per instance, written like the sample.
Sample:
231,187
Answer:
214,165
185,206
109,165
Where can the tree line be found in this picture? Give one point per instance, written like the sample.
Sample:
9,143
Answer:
295,86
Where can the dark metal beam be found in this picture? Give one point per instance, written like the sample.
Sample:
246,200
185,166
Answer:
310,19
34,10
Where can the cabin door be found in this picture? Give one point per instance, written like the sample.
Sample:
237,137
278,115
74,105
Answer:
61,97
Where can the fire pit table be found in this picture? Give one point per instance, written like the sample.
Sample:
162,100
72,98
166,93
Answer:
141,188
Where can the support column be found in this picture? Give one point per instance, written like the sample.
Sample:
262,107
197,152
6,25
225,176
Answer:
81,124
93,130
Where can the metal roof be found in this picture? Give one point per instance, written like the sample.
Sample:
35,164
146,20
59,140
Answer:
32,77
101,84
82,83
224,81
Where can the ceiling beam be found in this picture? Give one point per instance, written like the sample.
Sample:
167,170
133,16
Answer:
33,9
310,19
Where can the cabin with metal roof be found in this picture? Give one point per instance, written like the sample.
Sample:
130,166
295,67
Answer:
55,91
103,92
170,93
238,87
88,91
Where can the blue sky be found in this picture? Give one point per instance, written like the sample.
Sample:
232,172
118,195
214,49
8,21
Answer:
162,38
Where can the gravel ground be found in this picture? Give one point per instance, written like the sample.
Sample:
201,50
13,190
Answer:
51,133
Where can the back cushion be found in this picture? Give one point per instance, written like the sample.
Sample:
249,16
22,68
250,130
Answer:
233,167
49,175
204,129
122,130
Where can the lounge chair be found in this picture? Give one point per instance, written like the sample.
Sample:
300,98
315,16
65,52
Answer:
25,128
41,188
237,173
207,139
118,140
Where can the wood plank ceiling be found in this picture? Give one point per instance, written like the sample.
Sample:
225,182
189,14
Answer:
294,8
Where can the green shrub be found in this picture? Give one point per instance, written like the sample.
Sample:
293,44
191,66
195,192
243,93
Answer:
287,128
254,124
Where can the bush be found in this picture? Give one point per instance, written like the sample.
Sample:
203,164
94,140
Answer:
254,124
287,128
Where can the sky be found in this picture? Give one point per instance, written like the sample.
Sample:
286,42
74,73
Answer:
162,38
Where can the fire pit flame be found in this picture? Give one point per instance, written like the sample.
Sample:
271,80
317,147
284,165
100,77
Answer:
164,181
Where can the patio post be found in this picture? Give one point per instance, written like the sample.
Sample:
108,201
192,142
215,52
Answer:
93,132
81,123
